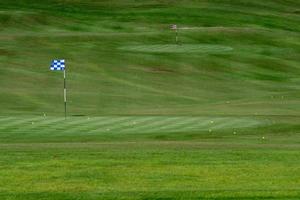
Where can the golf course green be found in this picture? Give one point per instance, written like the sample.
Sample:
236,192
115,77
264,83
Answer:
215,115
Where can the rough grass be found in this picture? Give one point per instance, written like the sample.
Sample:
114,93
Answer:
144,125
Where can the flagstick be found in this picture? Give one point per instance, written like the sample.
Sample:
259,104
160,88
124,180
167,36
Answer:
176,36
65,93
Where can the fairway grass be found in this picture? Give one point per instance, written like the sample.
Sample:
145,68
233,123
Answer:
149,170
138,157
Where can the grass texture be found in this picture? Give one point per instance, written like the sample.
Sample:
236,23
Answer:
215,116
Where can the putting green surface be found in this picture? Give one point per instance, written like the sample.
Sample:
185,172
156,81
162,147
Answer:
27,128
180,48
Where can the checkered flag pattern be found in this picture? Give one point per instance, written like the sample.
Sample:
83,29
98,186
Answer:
57,65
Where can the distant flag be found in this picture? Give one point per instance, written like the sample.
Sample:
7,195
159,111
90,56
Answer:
57,65
174,26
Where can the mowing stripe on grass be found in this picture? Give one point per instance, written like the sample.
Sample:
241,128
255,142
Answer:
47,123
137,124
150,128
118,125
182,123
5,119
174,127
17,123
88,124
109,127
95,124
167,123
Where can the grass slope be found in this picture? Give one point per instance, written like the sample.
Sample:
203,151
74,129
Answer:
216,117
260,74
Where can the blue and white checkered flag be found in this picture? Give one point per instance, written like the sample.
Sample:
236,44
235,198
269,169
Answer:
58,65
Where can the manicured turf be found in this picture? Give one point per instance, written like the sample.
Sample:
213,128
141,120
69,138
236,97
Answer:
151,170
179,48
52,128
214,117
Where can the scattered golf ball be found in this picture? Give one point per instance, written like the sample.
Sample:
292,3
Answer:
211,122
32,122
108,129
234,133
210,130
263,137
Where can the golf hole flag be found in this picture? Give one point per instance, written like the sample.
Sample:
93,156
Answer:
59,65
173,27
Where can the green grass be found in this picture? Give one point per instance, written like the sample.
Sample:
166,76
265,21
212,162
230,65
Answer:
186,48
20,129
216,117
158,170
